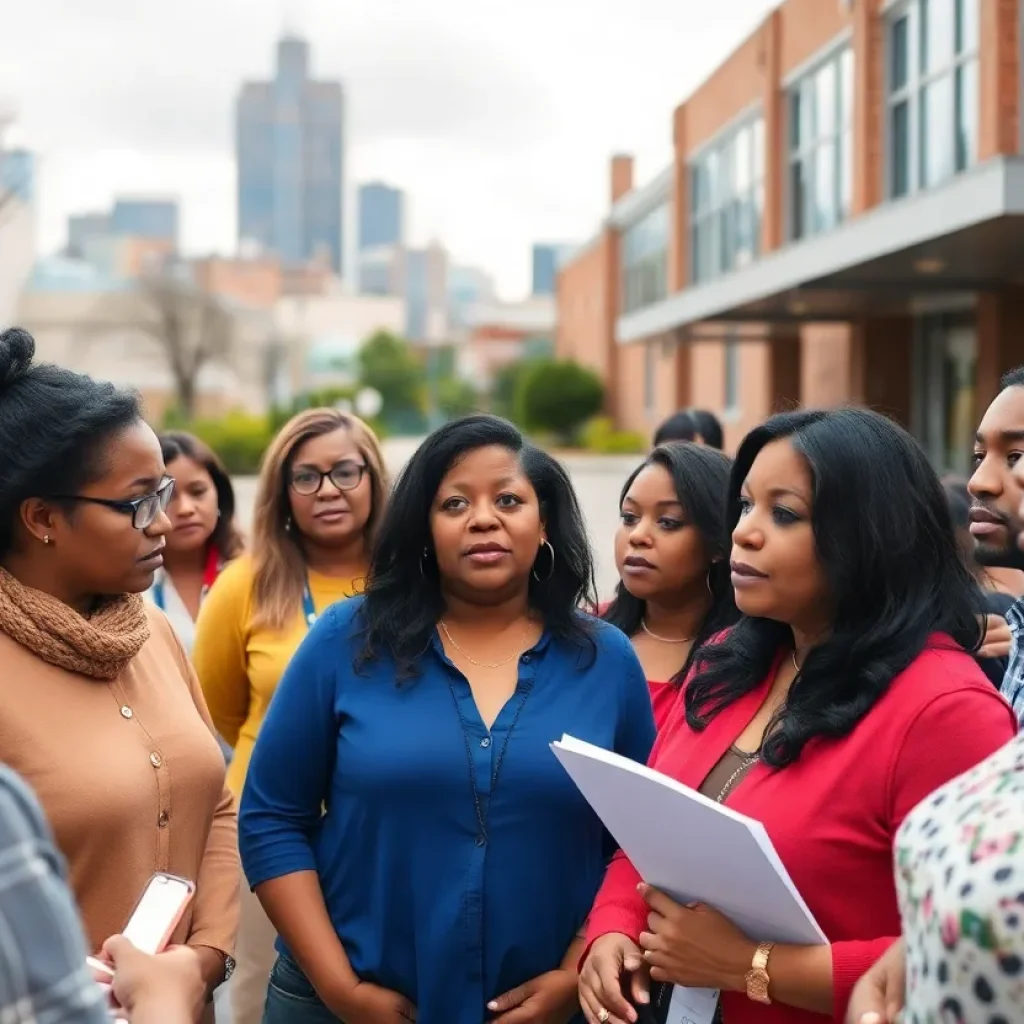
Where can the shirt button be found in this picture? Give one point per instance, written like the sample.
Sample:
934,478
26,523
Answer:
126,712
480,840
163,819
486,741
155,760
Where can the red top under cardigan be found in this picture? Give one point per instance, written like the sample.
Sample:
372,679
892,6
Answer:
834,814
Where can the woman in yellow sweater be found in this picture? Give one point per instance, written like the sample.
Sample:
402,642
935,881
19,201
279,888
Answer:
321,492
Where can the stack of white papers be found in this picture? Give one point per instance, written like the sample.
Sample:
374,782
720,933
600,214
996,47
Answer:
690,847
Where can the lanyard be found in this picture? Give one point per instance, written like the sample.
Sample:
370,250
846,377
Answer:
308,608
210,574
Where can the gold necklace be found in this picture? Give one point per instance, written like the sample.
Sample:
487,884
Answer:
664,639
751,759
471,659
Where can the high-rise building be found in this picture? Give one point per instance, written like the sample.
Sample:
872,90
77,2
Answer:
154,219
290,148
547,258
381,216
84,228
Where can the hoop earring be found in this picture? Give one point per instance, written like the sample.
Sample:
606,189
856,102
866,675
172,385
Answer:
707,580
551,570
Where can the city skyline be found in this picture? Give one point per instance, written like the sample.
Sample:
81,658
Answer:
493,131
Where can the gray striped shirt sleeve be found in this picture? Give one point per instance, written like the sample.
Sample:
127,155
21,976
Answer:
43,975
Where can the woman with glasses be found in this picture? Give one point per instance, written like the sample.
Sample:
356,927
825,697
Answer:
321,493
102,713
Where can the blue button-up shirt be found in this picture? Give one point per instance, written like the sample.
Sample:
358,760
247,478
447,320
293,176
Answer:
1013,682
423,903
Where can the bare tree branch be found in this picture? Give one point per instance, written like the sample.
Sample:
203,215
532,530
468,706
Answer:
192,327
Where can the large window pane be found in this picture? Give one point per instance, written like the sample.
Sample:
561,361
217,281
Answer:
967,114
899,149
967,26
825,186
936,136
798,198
846,173
937,34
743,164
825,100
757,141
795,114
846,86
899,54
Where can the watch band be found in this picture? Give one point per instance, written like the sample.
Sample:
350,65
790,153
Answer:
757,978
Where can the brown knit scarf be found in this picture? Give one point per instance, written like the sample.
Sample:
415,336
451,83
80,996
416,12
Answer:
100,646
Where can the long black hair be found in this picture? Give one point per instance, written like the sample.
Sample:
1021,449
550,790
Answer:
403,592
885,540
700,476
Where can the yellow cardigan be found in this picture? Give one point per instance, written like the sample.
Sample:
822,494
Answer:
238,665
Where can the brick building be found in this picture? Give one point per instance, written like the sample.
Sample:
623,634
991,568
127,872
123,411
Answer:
842,221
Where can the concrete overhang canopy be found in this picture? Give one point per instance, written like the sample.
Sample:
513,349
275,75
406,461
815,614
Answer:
964,236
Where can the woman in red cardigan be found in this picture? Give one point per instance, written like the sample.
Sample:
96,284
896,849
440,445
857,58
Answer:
841,699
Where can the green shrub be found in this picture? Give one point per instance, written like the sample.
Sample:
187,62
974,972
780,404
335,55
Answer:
239,438
600,436
557,396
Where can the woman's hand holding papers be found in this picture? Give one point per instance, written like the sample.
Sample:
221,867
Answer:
694,945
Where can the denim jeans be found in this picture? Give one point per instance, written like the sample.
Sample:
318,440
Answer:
291,999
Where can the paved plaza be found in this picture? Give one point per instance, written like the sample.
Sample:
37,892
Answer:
597,478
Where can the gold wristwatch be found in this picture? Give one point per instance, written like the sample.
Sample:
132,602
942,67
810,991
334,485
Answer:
757,977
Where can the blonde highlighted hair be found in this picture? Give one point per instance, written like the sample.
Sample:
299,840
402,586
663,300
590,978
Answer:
279,565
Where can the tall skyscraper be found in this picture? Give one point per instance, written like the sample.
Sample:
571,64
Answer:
546,259
290,148
381,215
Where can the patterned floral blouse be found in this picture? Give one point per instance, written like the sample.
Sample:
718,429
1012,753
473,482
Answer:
960,874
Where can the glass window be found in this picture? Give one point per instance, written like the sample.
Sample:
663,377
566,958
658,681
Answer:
645,259
933,92
821,147
727,205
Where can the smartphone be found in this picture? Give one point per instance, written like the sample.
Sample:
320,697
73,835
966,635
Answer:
158,912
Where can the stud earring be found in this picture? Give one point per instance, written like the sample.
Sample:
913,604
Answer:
46,539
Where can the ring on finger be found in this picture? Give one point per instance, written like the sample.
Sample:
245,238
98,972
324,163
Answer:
603,1015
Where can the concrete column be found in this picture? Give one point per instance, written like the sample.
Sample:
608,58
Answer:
784,371
882,359
1000,339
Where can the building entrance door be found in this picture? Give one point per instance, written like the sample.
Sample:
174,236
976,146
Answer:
944,415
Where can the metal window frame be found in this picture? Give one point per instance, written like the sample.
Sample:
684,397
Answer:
708,218
913,91
807,152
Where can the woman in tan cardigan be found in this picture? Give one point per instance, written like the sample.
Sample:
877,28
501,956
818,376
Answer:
102,712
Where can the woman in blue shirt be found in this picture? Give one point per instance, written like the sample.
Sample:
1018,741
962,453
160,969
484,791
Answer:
404,822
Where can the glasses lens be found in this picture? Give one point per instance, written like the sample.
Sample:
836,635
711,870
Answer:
346,475
146,512
306,482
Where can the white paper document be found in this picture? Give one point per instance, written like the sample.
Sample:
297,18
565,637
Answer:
692,1005
691,847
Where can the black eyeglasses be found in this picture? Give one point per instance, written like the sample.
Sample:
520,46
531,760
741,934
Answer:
143,510
344,475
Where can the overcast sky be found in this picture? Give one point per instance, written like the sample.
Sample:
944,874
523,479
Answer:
497,119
